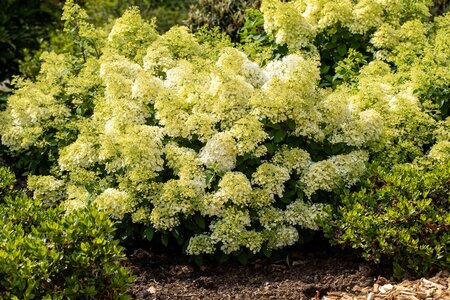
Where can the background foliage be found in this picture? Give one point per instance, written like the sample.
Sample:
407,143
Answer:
24,25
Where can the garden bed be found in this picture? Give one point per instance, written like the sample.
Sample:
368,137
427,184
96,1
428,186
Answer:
328,275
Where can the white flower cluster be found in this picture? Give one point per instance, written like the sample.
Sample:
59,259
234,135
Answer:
334,172
114,202
220,152
282,236
305,215
271,178
297,22
236,187
293,159
440,151
228,230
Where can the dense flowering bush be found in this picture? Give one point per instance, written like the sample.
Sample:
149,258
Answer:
163,129
396,32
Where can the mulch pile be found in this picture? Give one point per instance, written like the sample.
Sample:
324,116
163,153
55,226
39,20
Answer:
327,275
437,287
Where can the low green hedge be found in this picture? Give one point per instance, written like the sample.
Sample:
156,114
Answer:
45,254
399,216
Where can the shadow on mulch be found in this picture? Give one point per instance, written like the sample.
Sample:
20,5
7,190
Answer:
311,275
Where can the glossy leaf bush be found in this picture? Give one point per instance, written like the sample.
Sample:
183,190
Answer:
192,138
400,216
46,254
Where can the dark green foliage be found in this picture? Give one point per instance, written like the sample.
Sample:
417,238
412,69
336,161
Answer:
400,216
440,7
229,16
347,70
24,24
46,254
28,27
167,13
338,47
5,91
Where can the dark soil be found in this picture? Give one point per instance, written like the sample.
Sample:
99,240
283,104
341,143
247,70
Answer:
310,275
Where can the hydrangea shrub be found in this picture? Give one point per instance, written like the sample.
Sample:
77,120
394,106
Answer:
165,129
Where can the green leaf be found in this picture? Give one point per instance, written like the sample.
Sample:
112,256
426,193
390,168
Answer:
286,200
209,177
190,225
165,239
199,221
242,258
324,69
270,148
84,247
198,260
148,233
267,252
342,49
279,136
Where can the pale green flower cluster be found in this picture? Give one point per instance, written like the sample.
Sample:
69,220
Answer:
178,129
339,170
297,22
293,159
35,107
441,151
219,153
114,202
271,178
296,213
47,188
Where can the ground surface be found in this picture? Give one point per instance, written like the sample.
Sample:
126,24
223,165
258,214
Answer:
328,275
313,274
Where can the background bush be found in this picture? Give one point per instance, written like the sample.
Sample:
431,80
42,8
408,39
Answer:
46,254
229,16
24,25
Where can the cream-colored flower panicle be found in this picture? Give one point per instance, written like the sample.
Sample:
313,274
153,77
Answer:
337,171
220,152
285,22
114,202
236,187
271,178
